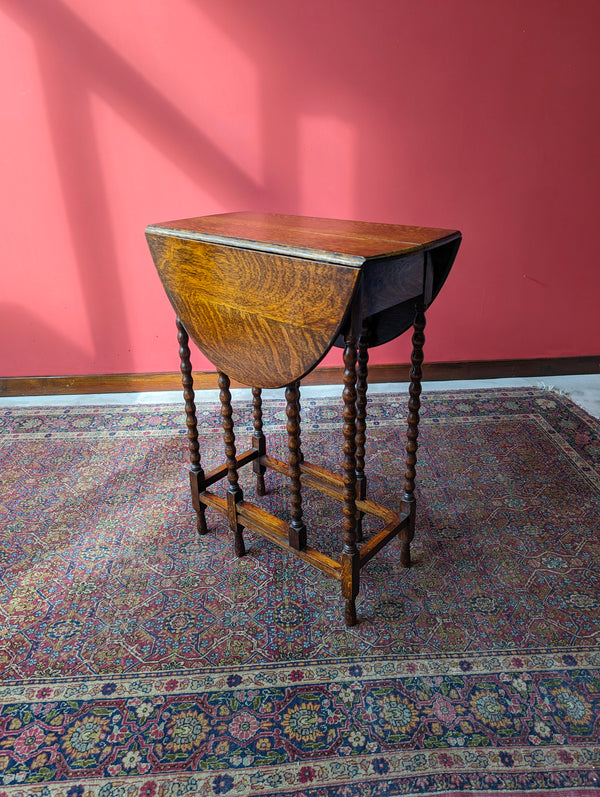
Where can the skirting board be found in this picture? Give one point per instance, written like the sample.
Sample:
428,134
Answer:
203,380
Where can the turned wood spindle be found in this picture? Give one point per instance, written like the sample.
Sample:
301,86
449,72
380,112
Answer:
350,559
297,529
300,453
196,473
234,493
361,424
258,439
412,432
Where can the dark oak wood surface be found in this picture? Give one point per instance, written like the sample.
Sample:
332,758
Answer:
265,296
264,319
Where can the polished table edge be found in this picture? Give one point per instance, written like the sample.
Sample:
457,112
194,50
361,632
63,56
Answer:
306,253
321,256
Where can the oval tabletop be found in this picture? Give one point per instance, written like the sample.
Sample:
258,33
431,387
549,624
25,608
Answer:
266,296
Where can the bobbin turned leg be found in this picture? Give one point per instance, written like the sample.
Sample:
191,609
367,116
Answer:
258,440
197,484
297,529
412,433
361,424
350,556
234,493
300,453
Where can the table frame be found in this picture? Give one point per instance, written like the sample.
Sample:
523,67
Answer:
350,489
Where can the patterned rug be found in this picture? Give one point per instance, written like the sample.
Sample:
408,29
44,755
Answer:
139,660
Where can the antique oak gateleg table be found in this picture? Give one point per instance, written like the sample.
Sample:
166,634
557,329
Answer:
265,297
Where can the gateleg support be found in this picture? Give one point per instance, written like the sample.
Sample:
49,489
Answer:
234,493
409,505
258,440
362,373
350,557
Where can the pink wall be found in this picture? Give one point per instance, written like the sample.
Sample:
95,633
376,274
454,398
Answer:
454,113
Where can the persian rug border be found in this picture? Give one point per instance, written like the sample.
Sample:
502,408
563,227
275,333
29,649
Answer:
274,674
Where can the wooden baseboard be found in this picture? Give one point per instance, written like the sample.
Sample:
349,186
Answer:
203,380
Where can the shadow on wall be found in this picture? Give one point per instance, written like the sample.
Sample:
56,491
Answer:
320,107
26,331
75,63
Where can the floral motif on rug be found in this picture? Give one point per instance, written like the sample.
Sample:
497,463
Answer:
139,660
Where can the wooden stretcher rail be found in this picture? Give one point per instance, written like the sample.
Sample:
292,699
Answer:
220,472
274,529
332,485
214,502
324,476
376,543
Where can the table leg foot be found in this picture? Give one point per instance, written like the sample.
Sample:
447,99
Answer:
405,553
260,484
233,496
407,534
238,542
350,585
197,486
201,526
350,612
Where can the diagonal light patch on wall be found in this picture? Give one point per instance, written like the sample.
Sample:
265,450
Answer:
328,166
74,65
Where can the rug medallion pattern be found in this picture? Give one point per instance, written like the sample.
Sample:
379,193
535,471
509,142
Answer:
137,659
